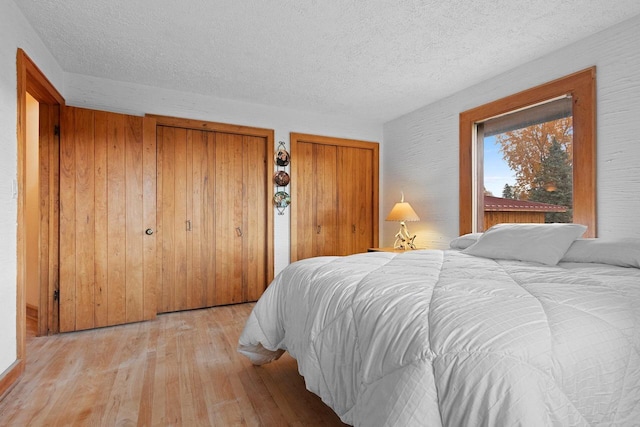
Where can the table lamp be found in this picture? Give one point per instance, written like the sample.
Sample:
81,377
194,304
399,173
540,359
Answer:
403,212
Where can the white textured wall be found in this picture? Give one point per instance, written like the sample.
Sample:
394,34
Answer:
14,32
421,148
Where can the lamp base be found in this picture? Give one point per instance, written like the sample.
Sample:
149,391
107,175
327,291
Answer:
404,240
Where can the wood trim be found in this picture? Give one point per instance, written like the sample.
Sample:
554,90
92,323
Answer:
10,376
211,126
30,79
330,140
22,64
296,138
582,87
37,84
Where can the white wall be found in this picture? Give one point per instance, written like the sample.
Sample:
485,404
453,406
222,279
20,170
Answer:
14,32
421,148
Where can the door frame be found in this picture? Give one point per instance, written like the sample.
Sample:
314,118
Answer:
29,79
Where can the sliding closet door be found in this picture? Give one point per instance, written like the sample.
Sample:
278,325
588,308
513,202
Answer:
107,199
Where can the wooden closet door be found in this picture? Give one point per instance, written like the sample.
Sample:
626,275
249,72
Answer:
230,228
107,199
334,191
325,199
212,222
256,201
304,218
355,200
186,218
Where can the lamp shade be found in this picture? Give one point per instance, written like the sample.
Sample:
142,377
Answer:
402,211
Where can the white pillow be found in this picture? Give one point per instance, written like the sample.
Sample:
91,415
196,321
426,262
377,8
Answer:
464,241
542,243
623,252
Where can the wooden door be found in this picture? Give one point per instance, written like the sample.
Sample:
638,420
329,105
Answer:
325,200
229,218
186,183
355,200
316,201
303,212
334,191
257,199
211,218
107,200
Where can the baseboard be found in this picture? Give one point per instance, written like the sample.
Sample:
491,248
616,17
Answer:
32,312
9,377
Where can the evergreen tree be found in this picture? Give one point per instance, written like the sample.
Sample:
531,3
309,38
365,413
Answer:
508,192
554,183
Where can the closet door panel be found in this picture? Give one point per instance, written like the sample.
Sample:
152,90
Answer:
175,182
255,204
228,208
179,256
303,209
208,208
196,208
167,140
325,198
355,203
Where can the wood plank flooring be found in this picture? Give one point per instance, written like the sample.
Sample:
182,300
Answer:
181,369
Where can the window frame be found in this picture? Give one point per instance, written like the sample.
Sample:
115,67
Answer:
581,86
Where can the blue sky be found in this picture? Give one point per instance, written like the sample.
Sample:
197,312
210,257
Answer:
496,171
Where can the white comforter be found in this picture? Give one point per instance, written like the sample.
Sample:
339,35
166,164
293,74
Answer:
443,338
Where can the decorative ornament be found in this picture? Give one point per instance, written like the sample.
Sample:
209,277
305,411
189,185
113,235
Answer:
281,178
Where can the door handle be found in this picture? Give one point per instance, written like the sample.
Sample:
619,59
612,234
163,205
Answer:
353,228
318,229
148,231
188,225
239,231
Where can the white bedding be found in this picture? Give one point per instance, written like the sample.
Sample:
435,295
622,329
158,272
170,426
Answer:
445,338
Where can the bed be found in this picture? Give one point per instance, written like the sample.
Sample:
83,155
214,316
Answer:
523,326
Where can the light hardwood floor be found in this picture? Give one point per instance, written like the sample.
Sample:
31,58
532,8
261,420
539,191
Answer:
181,369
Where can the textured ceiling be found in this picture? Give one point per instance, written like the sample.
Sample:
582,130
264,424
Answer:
374,59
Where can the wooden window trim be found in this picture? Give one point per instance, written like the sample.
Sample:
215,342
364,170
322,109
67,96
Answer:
582,88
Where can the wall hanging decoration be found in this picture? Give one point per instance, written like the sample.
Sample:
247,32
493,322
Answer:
281,199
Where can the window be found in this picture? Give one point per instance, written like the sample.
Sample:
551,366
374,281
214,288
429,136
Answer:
532,107
527,164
